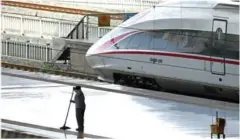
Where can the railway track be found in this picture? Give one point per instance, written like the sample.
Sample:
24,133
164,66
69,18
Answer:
58,9
50,71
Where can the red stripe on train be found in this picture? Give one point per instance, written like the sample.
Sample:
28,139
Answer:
188,56
112,41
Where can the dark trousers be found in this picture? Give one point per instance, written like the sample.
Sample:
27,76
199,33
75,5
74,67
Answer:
80,118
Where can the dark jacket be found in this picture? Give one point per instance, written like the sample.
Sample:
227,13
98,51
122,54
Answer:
80,99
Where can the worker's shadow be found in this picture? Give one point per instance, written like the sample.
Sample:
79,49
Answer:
187,116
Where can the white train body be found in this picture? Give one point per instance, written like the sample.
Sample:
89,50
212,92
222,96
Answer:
188,46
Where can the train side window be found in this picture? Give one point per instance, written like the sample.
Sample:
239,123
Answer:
231,49
203,43
173,38
134,42
187,41
227,49
157,41
144,41
139,41
122,44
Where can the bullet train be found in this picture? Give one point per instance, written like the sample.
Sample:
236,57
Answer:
184,47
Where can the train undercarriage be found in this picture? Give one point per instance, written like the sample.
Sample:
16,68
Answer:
136,81
151,84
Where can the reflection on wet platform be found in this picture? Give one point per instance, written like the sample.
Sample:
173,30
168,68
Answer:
113,115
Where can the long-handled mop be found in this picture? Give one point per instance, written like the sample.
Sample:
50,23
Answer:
64,127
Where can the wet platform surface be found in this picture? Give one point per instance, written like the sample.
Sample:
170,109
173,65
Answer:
103,86
110,114
19,128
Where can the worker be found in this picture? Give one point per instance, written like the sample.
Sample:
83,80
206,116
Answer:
79,101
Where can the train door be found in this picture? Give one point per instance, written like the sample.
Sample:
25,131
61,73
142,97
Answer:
219,32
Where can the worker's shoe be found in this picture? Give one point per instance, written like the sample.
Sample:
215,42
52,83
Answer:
80,135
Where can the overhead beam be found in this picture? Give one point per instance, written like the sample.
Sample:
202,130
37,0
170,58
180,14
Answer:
58,9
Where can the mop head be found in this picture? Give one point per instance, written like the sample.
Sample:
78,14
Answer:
64,127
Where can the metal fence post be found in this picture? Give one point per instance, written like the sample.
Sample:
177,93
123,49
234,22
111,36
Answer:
59,29
27,49
47,51
13,48
21,26
87,29
82,28
34,51
21,50
41,52
40,27
7,46
3,23
98,32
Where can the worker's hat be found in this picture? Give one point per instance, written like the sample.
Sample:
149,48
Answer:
78,87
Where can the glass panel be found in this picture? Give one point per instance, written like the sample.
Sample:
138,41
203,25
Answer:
136,41
123,43
203,43
144,41
187,41
159,41
232,47
139,41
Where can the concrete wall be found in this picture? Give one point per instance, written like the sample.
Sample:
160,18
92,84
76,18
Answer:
77,57
58,45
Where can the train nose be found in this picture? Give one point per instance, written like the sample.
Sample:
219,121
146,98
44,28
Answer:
92,57
89,57
89,52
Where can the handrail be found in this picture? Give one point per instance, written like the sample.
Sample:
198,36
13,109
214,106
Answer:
78,24
82,21
56,8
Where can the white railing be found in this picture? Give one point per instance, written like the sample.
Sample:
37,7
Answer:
30,25
26,50
47,27
117,5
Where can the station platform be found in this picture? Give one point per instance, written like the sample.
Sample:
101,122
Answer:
37,131
103,86
109,114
